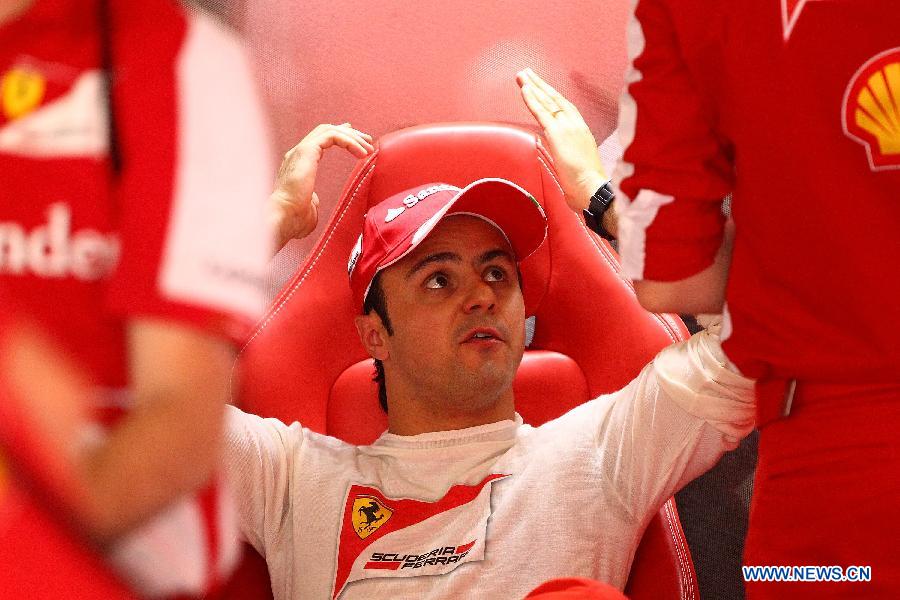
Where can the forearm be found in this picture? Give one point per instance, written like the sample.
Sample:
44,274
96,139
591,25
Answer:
703,292
285,221
282,226
610,220
160,453
169,443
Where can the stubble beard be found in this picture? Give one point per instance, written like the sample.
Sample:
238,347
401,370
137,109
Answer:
473,391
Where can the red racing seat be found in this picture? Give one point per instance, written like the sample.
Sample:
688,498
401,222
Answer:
304,361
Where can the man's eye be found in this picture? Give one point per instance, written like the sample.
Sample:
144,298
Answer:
495,274
437,281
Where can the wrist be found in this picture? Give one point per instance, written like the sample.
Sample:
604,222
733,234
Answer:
610,221
589,183
284,220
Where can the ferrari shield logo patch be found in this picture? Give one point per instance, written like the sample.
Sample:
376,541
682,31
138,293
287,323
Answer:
384,537
368,515
22,91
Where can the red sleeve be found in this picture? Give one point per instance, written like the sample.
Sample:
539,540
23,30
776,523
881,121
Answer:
195,173
675,170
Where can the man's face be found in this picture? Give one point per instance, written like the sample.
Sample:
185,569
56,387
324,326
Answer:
458,316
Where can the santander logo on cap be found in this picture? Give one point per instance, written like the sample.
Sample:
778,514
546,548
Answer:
412,199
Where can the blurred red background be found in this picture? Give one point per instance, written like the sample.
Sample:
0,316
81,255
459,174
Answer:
391,64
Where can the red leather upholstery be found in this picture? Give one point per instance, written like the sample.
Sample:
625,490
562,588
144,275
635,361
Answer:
354,394
304,362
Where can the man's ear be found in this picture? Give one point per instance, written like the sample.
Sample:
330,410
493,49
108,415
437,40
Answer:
373,335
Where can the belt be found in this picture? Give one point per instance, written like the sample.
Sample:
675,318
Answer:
774,399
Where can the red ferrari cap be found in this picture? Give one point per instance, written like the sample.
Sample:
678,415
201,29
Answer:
395,226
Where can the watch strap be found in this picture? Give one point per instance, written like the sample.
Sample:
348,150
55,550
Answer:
597,207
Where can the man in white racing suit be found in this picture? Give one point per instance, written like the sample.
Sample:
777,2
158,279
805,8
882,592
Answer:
460,498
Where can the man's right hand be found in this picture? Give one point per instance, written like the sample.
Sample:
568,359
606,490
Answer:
294,204
569,140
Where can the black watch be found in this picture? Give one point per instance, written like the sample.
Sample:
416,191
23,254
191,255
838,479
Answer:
599,204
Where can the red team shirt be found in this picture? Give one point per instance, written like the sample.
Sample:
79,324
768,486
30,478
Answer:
792,106
179,234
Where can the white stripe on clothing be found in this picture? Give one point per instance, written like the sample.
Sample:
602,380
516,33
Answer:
222,178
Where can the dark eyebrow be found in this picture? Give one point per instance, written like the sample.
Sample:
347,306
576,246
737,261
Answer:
494,254
433,258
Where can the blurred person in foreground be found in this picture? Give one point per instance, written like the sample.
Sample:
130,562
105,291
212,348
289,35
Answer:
133,246
758,100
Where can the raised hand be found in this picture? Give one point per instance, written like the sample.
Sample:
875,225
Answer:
294,203
569,140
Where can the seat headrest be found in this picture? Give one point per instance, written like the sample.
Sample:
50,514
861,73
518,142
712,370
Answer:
355,416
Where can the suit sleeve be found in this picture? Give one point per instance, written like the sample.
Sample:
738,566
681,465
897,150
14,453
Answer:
669,425
259,458
675,170
196,171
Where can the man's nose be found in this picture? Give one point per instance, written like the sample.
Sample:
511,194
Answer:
480,297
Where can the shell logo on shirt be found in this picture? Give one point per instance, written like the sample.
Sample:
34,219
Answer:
402,537
22,91
368,515
871,110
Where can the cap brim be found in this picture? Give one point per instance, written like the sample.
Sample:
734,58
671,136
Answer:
501,203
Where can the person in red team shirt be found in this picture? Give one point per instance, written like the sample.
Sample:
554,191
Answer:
134,237
793,108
